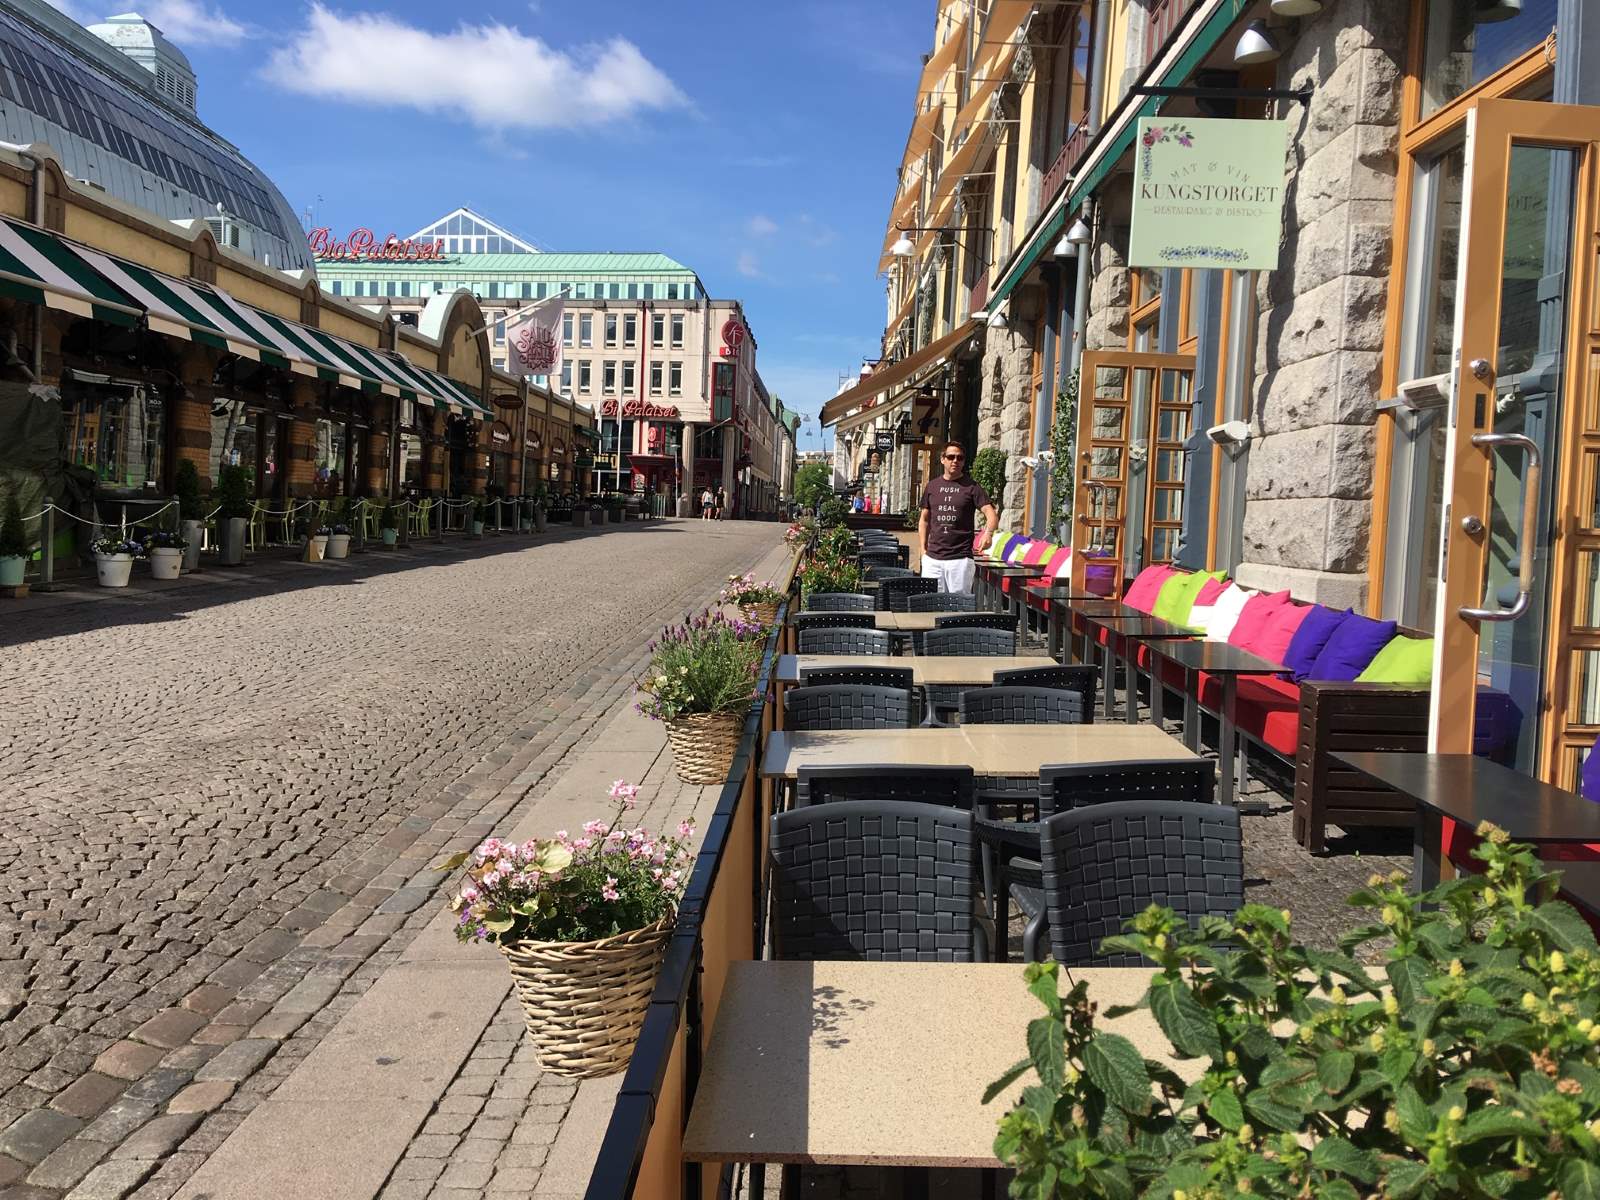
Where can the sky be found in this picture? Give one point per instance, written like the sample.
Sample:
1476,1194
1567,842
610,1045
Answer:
755,141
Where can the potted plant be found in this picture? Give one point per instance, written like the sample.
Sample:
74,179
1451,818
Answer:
480,513
389,525
828,575
15,548
758,602
113,559
700,681
541,517
583,922
616,507
166,551
191,513
314,540
232,500
339,540
1465,1064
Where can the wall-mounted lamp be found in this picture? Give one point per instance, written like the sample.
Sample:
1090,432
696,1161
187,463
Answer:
1066,248
1257,44
1486,12
903,247
997,319
1295,8
1079,234
1229,433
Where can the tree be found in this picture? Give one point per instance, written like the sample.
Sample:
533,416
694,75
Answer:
813,483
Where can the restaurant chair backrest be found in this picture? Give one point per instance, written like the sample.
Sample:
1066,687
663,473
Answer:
951,787
878,572
889,677
840,602
844,641
1079,785
879,558
937,601
879,881
978,620
833,620
1021,706
846,706
1104,865
903,553
983,643
895,594
1076,677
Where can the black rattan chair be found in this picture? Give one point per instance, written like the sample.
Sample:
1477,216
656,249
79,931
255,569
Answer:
1077,677
878,881
946,786
833,620
840,602
895,594
1079,785
847,706
878,573
937,601
983,643
889,677
1021,706
844,641
903,552
1106,864
978,620
886,557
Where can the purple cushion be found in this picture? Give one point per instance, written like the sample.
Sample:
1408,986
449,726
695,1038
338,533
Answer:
1351,647
1310,638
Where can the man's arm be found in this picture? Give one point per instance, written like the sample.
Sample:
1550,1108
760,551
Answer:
922,533
991,518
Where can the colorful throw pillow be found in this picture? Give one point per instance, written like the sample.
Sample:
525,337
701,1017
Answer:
978,539
1177,594
1004,549
1059,563
1208,594
1320,624
1353,645
1142,591
1225,610
1272,642
1402,660
1037,553
1252,621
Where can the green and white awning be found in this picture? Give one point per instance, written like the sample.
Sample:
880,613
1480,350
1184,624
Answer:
39,268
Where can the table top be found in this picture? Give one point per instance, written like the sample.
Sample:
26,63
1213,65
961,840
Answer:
1217,658
1097,609
1145,626
875,1062
1065,592
905,622
1470,790
1016,751
951,670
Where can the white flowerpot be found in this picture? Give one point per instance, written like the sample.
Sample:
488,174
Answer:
113,569
12,569
339,545
477,529
316,548
193,533
165,563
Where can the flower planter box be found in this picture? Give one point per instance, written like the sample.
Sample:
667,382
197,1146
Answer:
703,745
390,537
339,545
194,533
113,570
165,563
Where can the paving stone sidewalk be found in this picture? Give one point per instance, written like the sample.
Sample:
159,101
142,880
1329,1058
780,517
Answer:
223,807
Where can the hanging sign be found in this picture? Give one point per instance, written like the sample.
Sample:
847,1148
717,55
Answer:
884,442
1208,192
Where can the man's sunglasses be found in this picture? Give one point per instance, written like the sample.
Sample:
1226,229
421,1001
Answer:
955,458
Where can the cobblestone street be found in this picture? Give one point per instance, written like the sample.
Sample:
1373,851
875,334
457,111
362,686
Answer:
221,800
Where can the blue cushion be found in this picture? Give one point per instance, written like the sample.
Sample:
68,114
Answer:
1351,647
1310,638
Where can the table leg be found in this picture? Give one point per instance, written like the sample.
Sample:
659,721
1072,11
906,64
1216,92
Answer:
1427,850
1191,711
1158,693
1225,747
1130,657
1108,679
1052,630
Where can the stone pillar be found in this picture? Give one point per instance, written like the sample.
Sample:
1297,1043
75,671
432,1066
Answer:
301,456
1308,505
1110,287
688,495
1006,403
377,473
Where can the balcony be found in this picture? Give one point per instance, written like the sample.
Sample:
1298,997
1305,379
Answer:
1164,18
1072,152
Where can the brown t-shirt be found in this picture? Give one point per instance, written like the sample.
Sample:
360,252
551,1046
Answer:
952,506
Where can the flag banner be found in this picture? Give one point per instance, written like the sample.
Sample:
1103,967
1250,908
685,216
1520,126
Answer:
533,339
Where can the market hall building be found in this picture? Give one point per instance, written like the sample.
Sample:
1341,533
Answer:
160,304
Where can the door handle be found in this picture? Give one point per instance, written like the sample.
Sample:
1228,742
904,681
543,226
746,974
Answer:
1530,527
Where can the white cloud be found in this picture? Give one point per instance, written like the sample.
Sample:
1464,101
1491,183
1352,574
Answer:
761,226
748,265
492,75
190,22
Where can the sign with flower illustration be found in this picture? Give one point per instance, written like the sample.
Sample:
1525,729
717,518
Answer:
1208,192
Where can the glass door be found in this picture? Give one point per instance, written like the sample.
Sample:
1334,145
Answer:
1501,656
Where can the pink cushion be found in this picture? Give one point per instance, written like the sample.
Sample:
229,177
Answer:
1142,592
1252,622
978,539
1058,563
1036,553
1209,593
1273,644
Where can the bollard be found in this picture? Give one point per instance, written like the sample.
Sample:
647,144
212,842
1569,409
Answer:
47,527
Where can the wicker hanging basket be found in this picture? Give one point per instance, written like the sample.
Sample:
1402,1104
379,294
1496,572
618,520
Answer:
703,745
761,614
585,1001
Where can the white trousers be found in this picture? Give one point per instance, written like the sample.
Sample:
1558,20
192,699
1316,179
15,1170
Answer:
953,574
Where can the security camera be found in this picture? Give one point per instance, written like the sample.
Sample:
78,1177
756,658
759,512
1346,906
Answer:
1229,433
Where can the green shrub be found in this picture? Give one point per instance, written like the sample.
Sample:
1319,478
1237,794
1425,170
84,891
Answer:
813,484
234,493
14,541
186,486
833,512
989,472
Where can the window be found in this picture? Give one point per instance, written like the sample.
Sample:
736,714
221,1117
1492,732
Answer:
566,375
627,379
499,327
630,330
633,291
405,288
675,379
566,329
656,374
390,288
1462,50
609,375
677,331
614,291
658,329
672,291
649,291
586,330
584,379
336,288
611,330
117,435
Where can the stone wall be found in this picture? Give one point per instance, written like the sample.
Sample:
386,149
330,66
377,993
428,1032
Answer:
1309,490
1110,286
1007,398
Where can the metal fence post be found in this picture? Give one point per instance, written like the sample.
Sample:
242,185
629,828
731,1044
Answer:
47,527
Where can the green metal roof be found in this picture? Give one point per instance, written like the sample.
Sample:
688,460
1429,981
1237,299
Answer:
521,265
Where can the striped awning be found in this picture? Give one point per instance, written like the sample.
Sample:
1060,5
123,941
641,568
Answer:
37,267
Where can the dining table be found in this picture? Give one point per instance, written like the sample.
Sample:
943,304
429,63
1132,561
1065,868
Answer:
1223,662
1128,626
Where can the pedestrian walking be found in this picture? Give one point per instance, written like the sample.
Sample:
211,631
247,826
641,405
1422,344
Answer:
722,504
706,501
950,505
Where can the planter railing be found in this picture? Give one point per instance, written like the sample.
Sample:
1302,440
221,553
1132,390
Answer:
721,920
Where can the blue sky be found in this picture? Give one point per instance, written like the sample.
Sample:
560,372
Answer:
753,140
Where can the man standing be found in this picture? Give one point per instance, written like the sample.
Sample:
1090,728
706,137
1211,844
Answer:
945,531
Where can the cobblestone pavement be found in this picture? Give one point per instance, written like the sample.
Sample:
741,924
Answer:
221,805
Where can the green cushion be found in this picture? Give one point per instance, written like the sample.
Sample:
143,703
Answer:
1177,595
1402,660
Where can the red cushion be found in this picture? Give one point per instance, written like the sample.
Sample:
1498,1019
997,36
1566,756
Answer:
1142,592
1265,707
1273,643
1252,623
1208,594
